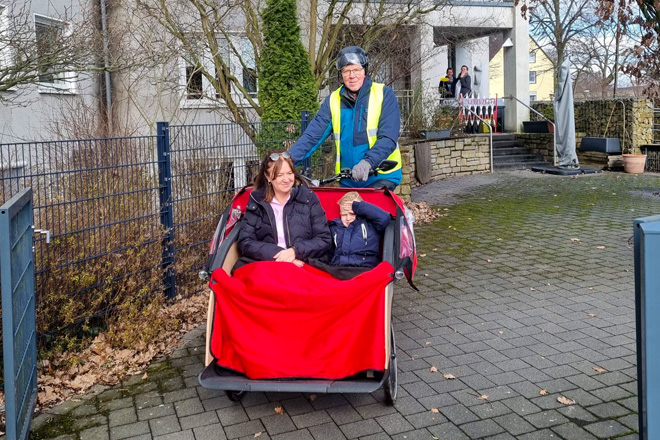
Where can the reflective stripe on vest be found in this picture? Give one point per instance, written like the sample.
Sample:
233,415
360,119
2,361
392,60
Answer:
373,117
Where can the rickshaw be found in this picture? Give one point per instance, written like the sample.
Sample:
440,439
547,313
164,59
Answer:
327,336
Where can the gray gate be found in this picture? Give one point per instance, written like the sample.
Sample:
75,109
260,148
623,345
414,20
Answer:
18,313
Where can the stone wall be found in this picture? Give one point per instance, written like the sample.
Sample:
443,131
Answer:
541,143
449,157
629,119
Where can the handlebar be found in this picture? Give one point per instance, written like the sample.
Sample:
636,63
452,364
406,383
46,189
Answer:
345,173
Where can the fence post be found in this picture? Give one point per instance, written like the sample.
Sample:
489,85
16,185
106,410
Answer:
307,163
166,214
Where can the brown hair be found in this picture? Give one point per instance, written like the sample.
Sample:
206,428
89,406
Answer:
351,196
261,179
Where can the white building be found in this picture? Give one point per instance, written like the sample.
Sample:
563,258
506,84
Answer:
164,85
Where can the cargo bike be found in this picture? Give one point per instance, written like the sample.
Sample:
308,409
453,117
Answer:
275,327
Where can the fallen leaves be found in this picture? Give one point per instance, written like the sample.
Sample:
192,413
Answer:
279,410
257,434
423,212
565,401
600,247
591,315
435,410
102,364
434,370
543,392
448,376
599,370
483,397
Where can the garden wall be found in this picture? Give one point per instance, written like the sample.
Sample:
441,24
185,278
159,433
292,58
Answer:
446,158
629,119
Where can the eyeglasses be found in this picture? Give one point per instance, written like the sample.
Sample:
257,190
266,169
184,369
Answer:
349,72
275,156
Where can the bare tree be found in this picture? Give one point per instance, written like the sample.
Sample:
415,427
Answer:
204,33
48,52
554,24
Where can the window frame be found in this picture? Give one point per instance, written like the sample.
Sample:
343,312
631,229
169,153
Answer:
209,99
64,82
532,56
532,96
532,76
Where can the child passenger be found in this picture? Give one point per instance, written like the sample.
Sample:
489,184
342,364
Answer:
356,234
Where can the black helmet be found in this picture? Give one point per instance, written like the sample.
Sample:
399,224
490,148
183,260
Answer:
352,55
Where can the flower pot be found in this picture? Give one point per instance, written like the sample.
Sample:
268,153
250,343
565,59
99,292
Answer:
634,163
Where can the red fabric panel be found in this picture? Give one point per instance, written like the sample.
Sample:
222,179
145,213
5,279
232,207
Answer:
330,196
276,320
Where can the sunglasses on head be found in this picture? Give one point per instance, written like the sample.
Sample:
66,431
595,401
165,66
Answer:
276,156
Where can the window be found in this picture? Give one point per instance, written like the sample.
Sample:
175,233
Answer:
50,36
249,68
532,77
532,57
237,53
532,97
5,54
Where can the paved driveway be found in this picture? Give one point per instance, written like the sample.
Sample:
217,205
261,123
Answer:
526,295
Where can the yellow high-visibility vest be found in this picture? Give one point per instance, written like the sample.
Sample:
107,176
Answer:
373,117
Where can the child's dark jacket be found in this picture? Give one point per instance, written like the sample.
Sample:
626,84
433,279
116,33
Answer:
359,243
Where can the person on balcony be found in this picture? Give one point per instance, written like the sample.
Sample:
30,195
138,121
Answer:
465,82
446,86
364,118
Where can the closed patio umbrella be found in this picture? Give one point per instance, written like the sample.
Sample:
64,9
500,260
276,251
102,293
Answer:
565,119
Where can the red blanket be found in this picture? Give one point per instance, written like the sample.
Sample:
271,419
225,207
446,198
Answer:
276,320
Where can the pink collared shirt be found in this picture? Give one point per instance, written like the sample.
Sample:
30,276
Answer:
278,209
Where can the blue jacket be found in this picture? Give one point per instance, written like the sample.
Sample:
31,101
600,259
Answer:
359,243
354,142
305,226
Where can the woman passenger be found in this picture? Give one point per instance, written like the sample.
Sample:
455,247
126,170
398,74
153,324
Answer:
284,220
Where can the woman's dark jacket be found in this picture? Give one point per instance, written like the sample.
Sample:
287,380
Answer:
359,243
305,226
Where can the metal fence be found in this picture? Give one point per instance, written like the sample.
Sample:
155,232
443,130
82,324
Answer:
132,215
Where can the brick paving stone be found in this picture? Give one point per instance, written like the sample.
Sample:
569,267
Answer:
130,430
607,429
311,419
514,424
458,414
630,403
375,410
156,411
611,393
232,414
544,434
437,401
394,424
501,436
183,435
571,431
425,419
418,434
608,410
490,409
296,406
344,414
244,429
631,421
481,428
96,433
112,405
188,407
210,432
148,399
328,431
278,423
122,416
521,406
447,431
164,425
408,405
360,429
206,418
546,419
